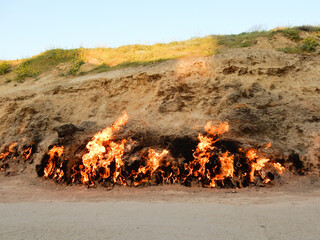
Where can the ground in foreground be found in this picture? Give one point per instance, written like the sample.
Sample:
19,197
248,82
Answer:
33,210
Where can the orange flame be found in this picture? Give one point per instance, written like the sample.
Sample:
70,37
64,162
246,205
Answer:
204,151
105,161
268,145
279,167
100,157
153,163
54,152
218,129
27,153
258,163
10,150
226,170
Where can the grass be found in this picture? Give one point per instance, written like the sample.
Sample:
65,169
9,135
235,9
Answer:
308,28
25,70
5,68
75,68
245,39
291,33
106,59
294,50
46,61
113,58
308,45
137,54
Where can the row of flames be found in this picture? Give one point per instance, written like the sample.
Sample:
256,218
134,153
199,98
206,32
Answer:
104,162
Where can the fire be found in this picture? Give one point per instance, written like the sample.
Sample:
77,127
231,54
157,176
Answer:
203,153
27,153
10,150
216,130
268,145
108,161
153,163
53,153
226,170
14,156
279,167
102,152
258,163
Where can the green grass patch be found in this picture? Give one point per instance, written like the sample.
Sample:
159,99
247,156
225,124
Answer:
46,61
25,70
245,39
294,50
307,46
5,68
51,58
291,33
114,58
75,68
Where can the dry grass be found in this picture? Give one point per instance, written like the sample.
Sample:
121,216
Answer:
150,53
106,59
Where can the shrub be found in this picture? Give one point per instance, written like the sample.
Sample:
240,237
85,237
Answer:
245,39
290,50
75,68
309,45
62,55
308,28
245,44
5,68
24,70
103,68
291,33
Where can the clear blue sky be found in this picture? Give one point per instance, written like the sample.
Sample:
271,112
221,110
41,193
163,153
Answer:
29,27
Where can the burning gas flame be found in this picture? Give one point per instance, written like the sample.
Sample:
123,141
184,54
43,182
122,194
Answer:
27,153
102,151
153,163
205,151
226,170
268,145
216,130
13,156
53,153
105,162
10,150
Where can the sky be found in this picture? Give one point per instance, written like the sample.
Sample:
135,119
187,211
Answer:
29,27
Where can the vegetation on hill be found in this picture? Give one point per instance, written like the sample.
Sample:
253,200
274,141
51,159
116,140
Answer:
105,59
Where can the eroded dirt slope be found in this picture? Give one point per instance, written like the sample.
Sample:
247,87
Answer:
265,96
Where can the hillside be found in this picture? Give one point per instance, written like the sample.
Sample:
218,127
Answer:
264,84
296,40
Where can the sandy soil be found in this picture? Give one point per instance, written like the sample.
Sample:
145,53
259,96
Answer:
32,208
264,95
